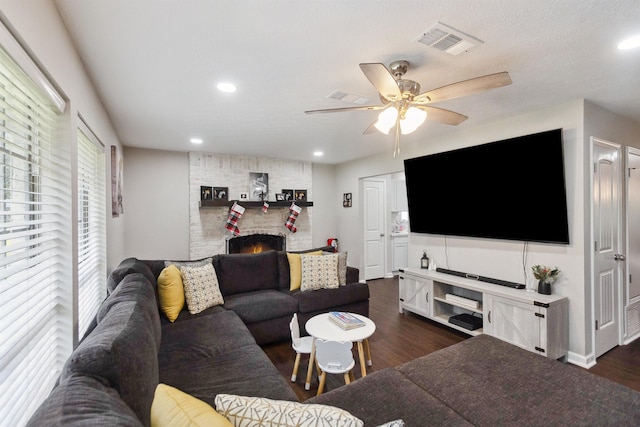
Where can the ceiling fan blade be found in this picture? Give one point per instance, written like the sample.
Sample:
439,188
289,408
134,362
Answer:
339,110
464,88
443,116
371,129
382,80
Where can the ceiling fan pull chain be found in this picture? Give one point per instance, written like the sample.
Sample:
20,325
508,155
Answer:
396,151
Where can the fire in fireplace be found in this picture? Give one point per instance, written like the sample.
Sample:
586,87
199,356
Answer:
256,243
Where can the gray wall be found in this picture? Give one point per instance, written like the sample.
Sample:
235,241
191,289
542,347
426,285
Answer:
156,194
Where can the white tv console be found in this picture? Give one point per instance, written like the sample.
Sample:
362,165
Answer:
535,322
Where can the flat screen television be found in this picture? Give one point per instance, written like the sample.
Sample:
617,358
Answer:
512,189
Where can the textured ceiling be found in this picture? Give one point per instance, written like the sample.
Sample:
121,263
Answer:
155,64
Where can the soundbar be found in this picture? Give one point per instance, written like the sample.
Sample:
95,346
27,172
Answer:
482,278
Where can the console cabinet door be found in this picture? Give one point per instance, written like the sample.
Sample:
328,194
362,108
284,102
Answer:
513,321
415,294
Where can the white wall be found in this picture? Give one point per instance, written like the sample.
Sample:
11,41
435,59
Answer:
503,259
156,193
326,200
39,28
493,258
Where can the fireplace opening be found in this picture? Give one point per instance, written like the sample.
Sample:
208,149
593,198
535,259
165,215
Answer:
256,243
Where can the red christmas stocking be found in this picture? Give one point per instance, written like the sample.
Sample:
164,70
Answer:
235,213
265,207
294,210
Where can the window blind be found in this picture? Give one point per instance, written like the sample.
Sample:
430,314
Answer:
34,244
92,269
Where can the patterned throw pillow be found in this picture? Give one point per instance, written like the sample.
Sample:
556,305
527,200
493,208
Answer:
196,263
394,423
257,411
319,272
201,288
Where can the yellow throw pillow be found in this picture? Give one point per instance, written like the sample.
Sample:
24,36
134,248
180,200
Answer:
295,269
174,408
171,292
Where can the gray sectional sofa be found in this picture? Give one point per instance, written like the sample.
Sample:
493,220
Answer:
111,376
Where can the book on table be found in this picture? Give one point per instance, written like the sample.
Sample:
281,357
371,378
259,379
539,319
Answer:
345,320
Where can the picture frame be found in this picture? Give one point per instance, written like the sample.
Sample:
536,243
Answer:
259,186
243,196
300,195
116,182
279,197
346,200
206,192
288,195
221,193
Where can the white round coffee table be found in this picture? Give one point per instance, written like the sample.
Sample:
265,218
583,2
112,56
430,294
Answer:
321,327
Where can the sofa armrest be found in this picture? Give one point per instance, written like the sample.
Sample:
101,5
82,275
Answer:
353,274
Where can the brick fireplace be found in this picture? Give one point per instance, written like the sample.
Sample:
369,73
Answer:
207,234
256,243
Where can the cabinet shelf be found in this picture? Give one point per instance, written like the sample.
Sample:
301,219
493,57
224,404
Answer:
455,304
251,204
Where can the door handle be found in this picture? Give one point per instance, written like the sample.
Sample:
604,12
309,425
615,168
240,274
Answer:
619,257
381,234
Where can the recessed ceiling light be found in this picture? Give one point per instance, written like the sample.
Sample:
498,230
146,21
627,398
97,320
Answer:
196,140
226,87
629,43
318,153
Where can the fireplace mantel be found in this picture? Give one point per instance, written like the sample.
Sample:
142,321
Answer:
251,205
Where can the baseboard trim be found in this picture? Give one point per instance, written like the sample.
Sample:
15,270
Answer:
586,362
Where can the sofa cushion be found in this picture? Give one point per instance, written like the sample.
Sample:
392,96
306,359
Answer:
387,395
171,292
319,272
204,336
123,348
248,411
201,289
240,273
172,407
524,388
261,305
244,370
128,266
83,401
327,299
137,289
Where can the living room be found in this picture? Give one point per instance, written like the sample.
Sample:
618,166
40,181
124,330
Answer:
158,192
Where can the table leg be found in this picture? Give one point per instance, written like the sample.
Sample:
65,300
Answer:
312,359
368,351
363,367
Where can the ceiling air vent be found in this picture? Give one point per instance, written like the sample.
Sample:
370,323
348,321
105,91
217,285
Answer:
349,97
447,39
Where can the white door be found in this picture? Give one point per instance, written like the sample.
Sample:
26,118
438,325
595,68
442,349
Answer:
631,301
607,244
374,229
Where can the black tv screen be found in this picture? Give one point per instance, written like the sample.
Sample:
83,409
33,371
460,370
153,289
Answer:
512,189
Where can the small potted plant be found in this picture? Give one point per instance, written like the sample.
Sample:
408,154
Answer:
546,276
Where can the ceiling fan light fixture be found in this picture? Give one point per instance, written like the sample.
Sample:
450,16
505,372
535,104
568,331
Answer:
386,120
413,119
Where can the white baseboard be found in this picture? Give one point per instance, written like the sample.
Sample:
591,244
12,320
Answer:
586,362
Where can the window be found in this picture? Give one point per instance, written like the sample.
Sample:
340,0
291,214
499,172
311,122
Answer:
34,240
92,270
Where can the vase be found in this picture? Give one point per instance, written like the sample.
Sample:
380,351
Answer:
544,287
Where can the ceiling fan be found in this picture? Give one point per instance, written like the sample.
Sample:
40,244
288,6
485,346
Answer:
405,107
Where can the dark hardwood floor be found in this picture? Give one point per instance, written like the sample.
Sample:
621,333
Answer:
403,337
